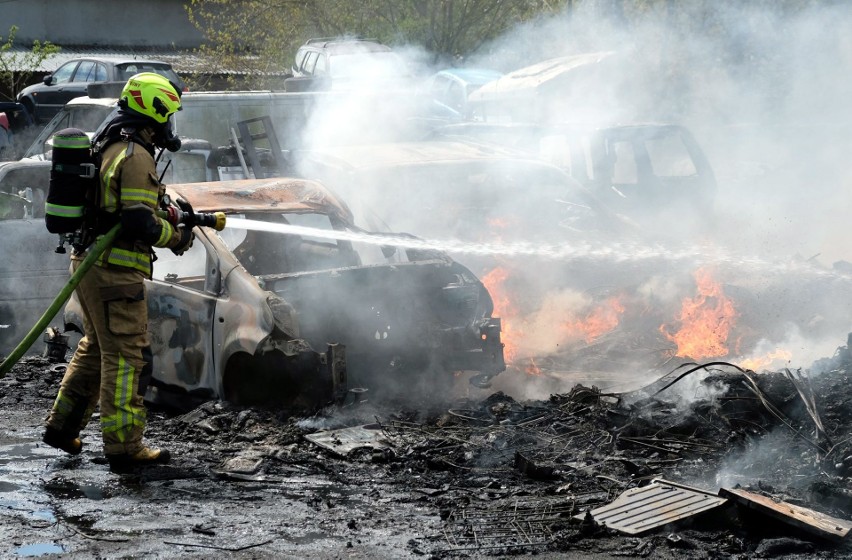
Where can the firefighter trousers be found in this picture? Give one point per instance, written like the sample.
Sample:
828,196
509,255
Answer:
112,363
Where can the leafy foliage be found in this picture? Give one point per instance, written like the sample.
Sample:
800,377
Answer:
261,36
15,66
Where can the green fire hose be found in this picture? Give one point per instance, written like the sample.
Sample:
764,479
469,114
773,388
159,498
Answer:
182,214
100,246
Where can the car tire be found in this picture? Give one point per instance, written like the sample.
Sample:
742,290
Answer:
28,105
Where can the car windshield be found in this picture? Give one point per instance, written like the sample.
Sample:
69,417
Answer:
365,65
85,117
127,70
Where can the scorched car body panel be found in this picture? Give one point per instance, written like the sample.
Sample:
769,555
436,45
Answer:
431,314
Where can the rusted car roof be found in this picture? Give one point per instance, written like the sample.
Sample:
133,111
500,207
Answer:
526,81
246,195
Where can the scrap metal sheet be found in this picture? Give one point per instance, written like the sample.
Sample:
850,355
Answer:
806,519
662,502
345,440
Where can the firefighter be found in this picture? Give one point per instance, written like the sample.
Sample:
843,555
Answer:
112,363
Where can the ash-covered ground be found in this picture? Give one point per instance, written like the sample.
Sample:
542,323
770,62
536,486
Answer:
481,476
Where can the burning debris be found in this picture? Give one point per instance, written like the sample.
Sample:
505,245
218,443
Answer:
586,446
652,324
705,321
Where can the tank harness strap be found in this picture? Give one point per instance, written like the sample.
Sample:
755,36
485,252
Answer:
84,170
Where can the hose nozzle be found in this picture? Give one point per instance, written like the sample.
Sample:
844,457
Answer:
216,220
176,216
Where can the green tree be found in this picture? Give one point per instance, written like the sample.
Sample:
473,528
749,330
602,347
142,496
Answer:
16,67
261,36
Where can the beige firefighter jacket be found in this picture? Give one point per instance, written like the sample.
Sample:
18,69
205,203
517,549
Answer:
128,179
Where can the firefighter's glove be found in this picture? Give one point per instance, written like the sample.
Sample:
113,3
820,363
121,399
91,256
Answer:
138,222
173,215
184,242
184,205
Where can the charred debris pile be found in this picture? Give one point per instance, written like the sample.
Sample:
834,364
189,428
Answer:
710,459
689,457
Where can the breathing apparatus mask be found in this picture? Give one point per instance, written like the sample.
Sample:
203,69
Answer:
165,137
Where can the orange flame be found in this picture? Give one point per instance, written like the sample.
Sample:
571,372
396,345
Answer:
533,368
597,322
706,321
495,283
498,222
528,333
763,362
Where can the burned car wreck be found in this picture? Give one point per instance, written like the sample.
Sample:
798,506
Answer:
294,319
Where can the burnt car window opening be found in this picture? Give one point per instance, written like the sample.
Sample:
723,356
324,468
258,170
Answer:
26,191
670,157
188,270
588,160
271,252
624,170
89,118
82,117
13,206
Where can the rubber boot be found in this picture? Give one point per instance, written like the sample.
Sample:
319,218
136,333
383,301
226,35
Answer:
145,457
61,440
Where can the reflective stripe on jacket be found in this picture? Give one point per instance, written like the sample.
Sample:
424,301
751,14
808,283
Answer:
128,178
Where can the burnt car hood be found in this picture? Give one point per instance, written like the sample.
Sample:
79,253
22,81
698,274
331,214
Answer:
417,315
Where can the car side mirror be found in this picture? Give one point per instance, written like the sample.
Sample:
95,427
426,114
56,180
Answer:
48,79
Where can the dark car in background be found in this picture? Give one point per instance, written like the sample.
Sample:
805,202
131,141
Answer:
346,63
73,78
647,172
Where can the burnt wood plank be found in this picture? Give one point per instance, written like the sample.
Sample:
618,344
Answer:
813,522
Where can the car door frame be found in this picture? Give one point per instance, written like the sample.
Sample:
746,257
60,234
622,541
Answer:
181,314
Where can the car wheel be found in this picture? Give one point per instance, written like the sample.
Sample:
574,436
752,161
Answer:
28,105
270,379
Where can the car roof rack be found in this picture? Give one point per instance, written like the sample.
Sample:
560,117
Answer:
333,39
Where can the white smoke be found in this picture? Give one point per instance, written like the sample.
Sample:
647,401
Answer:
765,90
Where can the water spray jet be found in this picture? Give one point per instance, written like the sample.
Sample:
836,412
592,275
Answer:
619,252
